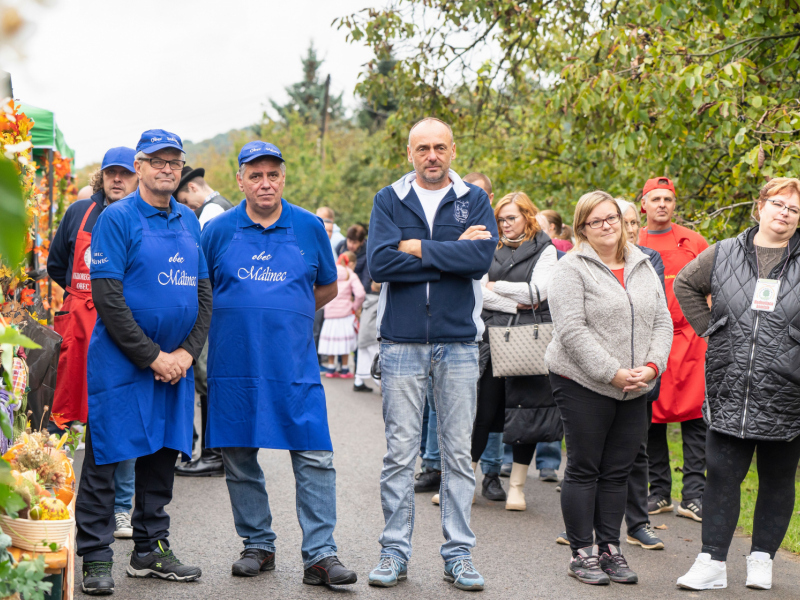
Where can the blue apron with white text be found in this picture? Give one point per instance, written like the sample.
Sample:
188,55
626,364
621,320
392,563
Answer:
264,389
130,413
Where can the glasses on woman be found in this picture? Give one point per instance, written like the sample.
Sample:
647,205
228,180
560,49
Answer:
510,220
781,207
598,223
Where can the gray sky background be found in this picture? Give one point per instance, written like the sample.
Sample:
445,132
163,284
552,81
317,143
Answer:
111,69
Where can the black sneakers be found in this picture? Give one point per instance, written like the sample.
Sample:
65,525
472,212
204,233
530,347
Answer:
428,481
362,387
586,567
658,504
329,571
161,563
616,567
692,509
97,580
646,538
492,488
253,561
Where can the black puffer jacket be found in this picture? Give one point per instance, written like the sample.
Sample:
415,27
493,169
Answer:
753,359
531,413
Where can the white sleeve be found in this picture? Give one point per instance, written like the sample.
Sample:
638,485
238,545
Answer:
493,301
518,291
209,212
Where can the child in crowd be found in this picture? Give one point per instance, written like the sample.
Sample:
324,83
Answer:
338,335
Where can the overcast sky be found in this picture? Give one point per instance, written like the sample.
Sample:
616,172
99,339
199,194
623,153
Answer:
110,69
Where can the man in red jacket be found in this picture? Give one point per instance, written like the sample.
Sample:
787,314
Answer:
683,383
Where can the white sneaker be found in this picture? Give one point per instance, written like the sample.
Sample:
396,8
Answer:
122,525
705,574
759,571
435,499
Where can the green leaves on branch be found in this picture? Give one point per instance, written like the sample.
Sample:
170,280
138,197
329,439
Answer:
13,221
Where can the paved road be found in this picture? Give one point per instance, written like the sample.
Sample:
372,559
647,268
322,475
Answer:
516,552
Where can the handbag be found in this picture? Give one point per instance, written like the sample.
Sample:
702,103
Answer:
518,350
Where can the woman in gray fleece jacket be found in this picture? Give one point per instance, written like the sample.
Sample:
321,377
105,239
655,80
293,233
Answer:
611,339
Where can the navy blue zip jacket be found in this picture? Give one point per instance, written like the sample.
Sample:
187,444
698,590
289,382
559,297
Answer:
435,299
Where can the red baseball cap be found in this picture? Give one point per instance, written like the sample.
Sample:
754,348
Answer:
658,183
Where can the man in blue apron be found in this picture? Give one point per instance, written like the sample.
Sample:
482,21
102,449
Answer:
153,299
271,268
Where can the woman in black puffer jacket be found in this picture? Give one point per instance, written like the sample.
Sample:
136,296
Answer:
521,407
752,380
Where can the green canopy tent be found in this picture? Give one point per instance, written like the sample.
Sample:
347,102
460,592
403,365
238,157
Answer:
46,138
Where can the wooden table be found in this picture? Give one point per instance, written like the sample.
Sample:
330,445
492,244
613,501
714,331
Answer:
57,567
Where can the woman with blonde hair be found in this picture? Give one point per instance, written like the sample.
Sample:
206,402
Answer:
520,407
752,402
612,336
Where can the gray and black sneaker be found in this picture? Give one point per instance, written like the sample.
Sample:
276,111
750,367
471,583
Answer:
161,563
586,567
428,481
548,475
505,470
329,571
97,580
253,561
615,565
646,538
658,504
492,488
692,509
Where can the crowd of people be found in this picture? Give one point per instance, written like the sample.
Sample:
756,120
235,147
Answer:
492,331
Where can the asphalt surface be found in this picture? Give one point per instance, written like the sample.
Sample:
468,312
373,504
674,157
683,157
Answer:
516,551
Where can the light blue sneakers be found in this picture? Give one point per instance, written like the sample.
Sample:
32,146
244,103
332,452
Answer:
389,571
462,574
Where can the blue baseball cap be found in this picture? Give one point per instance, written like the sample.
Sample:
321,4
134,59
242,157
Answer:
119,157
255,150
154,140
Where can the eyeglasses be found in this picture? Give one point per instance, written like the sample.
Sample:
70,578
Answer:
598,223
510,220
781,207
158,163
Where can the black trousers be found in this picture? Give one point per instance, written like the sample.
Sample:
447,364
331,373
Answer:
94,507
490,417
636,515
729,460
603,436
693,433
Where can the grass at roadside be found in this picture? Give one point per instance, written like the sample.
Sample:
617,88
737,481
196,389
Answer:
749,490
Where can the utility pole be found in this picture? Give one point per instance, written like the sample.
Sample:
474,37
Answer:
324,122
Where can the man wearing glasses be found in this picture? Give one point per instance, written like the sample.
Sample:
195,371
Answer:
683,383
151,290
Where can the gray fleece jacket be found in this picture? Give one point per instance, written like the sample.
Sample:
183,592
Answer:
601,327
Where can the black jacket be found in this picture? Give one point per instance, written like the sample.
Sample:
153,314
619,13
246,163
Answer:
753,359
531,413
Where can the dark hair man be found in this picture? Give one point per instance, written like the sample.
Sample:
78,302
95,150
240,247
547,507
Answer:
68,265
271,268
432,237
153,298
194,192
683,383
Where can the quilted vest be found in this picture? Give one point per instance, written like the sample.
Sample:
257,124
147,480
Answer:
753,358
516,265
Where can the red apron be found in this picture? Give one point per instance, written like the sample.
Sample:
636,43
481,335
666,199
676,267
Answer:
75,327
683,384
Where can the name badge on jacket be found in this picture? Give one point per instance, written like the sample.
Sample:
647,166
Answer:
766,295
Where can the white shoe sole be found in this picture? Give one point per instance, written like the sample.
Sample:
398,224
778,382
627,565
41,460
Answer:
124,534
663,509
712,585
516,506
150,573
634,542
758,586
685,512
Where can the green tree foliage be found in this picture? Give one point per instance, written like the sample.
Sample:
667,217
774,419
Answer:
307,97
559,97
374,112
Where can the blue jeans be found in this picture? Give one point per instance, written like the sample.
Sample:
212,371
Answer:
548,455
406,369
315,488
124,484
491,459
